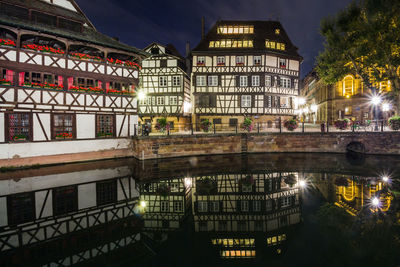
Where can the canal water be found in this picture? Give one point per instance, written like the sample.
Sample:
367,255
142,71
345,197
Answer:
235,210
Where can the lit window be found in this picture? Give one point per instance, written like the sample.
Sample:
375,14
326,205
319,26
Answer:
213,80
347,111
246,101
348,86
274,240
230,43
176,80
211,44
239,60
243,81
255,80
201,80
235,29
221,61
244,205
163,81
257,60
178,206
270,44
280,46
164,206
214,206
173,100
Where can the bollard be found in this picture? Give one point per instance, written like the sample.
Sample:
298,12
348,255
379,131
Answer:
214,127
191,128
258,127
302,126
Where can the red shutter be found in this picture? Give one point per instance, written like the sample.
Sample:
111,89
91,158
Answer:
70,82
60,80
99,84
21,78
107,85
10,75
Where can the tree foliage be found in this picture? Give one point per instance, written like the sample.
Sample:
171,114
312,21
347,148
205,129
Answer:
363,39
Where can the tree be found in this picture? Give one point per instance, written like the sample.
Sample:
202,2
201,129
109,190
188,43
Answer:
363,39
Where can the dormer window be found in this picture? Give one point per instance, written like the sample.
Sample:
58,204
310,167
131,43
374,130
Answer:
277,31
282,63
200,61
155,51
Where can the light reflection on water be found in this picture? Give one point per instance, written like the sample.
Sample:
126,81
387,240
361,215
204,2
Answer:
274,209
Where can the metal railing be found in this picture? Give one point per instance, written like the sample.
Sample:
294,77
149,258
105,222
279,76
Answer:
257,127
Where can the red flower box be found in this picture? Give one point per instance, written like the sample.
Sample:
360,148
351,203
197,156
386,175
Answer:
44,48
7,42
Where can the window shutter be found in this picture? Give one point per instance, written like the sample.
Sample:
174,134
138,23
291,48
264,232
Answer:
278,101
278,81
237,80
196,209
194,81
197,100
293,201
213,101
238,206
262,80
219,80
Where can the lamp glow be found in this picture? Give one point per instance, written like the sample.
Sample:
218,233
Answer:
141,95
305,110
188,182
301,101
302,183
385,107
143,204
385,179
375,201
314,108
375,100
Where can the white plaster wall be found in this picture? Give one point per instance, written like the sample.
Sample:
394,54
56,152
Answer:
120,191
293,65
2,127
24,150
171,63
86,196
3,211
44,182
270,61
38,134
133,121
85,126
40,198
119,121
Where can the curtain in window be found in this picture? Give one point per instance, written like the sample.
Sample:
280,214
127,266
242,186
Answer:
21,78
107,85
10,75
70,82
99,84
61,80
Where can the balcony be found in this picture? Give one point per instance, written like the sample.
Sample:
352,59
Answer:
69,62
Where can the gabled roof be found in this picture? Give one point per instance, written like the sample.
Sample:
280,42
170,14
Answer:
169,49
263,30
89,33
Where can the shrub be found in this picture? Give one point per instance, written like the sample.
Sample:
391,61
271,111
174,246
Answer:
162,125
205,125
291,124
342,124
248,124
394,123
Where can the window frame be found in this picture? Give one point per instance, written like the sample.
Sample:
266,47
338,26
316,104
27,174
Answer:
244,100
201,80
268,80
255,82
163,81
173,102
201,61
282,63
29,127
243,81
176,80
239,60
158,100
212,80
202,206
11,209
113,116
255,59
53,133
74,204
221,60
285,82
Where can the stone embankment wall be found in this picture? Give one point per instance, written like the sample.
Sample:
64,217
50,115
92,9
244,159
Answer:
175,146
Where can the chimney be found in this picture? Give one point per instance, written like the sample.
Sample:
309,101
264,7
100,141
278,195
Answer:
202,28
187,49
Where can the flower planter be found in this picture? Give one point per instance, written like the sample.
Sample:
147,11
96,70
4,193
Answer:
394,123
290,125
43,49
19,138
7,42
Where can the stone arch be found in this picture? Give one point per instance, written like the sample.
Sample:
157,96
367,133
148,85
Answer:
84,49
355,147
7,34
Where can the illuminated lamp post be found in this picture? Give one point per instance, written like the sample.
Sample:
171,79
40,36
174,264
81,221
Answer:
314,109
375,101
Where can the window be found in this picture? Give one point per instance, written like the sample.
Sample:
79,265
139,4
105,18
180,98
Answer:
348,88
220,61
163,63
257,60
63,126
241,226
247,188
255,80
178,206
233,122
173,100
105,126
239,60
206,101
21,208
160,100
153,101
244,205
282,63
214,206
285,82
200,61
285,202
65,199
222,226
176,80
19,126
202,206
270,44
256,205
269,205
106,192
164,206
243,81
347,111
155,51
280,46
284,102
274,240
268,80
213,80
217,121
268,101
201,80
36,77
163,81
235,29
231,43
246,101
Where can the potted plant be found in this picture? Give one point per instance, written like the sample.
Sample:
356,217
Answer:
291,124
19,137
342,124
104,135
7,42
205,125
162,125
248,124
163,190
394,123
63,136
5,81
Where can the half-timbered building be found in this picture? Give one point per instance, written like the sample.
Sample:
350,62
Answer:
64,86
245,69
246,213
165,85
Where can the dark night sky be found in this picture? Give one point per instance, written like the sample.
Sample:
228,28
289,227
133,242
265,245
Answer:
141,22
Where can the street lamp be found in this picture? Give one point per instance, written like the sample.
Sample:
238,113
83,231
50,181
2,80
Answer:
375,101
314,109
141,95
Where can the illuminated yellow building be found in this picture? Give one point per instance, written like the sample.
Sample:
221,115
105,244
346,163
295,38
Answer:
348,98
